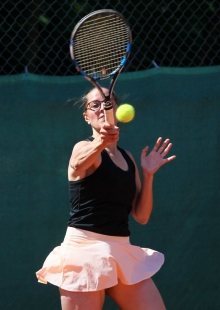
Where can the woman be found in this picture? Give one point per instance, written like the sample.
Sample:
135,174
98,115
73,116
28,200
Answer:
96,257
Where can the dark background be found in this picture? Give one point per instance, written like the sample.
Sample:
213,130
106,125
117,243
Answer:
179,33
40,121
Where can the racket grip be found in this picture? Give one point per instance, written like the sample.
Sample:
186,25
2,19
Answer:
109,116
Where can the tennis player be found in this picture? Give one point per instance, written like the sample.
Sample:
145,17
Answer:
96,257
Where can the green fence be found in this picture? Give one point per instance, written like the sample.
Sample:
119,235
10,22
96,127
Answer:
41,121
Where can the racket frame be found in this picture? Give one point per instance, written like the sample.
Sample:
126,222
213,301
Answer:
108,107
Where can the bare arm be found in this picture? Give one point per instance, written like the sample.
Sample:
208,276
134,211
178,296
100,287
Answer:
86,155
143,202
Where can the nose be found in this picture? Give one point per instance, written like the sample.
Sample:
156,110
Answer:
102,105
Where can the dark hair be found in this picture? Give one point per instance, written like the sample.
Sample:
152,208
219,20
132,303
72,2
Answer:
85,99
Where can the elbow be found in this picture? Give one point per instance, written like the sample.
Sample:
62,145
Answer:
143,221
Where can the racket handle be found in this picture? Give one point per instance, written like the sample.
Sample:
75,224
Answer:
109,116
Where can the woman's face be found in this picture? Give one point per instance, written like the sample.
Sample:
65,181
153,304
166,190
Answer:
96,117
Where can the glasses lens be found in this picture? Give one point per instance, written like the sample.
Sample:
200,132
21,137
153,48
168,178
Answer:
94,105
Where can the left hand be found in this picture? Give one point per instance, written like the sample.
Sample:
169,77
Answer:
152,162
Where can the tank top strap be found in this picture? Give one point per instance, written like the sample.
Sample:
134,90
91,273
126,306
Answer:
89,139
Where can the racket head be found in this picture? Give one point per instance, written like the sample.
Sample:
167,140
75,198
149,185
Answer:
100,44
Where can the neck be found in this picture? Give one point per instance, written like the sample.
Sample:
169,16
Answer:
112,149
95,133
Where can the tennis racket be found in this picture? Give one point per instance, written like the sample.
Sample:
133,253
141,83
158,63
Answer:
100,45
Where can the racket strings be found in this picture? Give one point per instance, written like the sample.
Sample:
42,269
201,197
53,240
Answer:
101,44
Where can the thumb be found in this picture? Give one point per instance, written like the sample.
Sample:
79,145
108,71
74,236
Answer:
144,151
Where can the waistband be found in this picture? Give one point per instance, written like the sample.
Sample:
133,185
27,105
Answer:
76,234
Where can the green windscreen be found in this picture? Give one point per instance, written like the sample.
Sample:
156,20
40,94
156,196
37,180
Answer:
41,120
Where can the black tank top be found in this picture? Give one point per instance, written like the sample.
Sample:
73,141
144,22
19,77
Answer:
102,201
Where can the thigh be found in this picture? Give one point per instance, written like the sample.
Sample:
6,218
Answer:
82,300
140,296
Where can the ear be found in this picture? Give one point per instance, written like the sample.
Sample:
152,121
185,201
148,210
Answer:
86,118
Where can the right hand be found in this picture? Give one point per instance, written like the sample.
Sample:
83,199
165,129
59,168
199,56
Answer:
109,134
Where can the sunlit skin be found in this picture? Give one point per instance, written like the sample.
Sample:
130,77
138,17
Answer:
85,159
97,118
107,137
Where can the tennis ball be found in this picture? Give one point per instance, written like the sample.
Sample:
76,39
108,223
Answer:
125,113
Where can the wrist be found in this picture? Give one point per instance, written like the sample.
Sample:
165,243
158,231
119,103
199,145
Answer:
147,175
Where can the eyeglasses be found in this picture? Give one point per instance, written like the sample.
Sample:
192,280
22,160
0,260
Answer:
95,105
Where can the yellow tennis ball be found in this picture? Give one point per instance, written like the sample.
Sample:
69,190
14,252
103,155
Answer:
125,113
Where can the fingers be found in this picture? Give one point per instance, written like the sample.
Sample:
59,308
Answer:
156,146
167,160
109,129
109,134
144,151
164,146
109,126
170,158
164,151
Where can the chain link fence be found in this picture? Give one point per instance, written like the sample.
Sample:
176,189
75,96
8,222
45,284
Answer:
173,33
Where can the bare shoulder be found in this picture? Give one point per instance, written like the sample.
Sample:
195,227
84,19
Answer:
83,161
73,174
79,144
